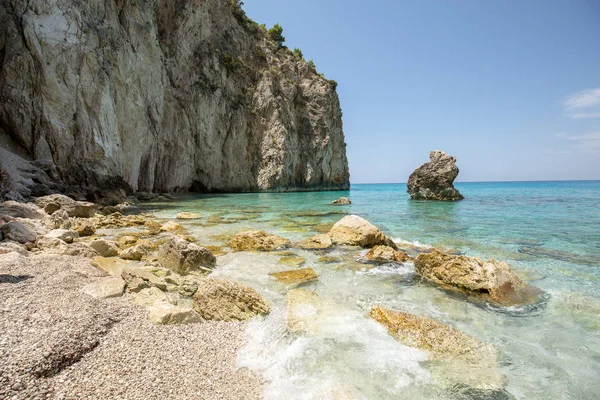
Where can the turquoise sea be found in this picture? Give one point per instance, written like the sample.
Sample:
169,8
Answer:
549,232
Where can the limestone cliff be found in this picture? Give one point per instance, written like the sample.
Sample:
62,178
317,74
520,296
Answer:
164,95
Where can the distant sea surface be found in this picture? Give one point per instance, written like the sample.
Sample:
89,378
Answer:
549,232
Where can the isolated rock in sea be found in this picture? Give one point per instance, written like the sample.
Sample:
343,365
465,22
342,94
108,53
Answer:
458,358
433,180
105,288
351,230
386,254
97,89
74,208
295,276
18,232
342,201
66,235
105,247
491,281
183,257
258,241
224,300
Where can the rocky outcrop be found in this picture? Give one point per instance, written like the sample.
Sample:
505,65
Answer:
351,230
492,281
258,241
434,179
161,96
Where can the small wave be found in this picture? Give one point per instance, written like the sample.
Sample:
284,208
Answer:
390,269
415,243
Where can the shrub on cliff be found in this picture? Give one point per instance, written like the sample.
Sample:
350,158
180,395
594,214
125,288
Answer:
276,34
298,53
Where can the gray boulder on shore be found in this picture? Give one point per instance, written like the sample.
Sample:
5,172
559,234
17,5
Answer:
434,179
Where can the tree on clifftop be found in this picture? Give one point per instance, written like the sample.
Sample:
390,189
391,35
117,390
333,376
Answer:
276,34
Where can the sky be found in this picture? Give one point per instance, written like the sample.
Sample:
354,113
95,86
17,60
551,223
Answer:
510,88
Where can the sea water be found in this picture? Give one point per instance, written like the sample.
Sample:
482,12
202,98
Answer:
549,232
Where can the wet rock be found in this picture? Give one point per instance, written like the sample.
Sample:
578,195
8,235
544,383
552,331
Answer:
104,247
386,254
342,201
306,312
259,241
66,235
18,232
172,227
292,261
434,179
187,215
491,281
459,358
351,230
224,300
74,208
329,259
183,257
105,288
295,277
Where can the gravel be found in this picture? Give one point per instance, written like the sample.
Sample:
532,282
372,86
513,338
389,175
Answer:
58,343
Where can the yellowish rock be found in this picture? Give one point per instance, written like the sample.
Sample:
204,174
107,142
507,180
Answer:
225,300
329,259
296,276
292,261
127,240
172,227
386,254
187,215
304,311
112,266
258,240
491,281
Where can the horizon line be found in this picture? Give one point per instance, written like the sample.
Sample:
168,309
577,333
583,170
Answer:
534,180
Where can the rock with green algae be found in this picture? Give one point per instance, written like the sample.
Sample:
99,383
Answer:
292,261
258,241
491,281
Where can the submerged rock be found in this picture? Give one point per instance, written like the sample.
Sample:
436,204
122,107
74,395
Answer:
296,276
492,280
187,215
342,201
292,260
183,257
225,300
258,240
351,230
434,179
460,358
386,254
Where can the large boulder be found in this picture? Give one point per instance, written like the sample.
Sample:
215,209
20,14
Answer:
258,240
183,257
351,230
74,208
18,232
433,180
491,281
224,300
386,254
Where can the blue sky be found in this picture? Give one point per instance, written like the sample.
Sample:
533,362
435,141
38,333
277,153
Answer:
511,88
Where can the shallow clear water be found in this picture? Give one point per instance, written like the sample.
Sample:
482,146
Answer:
549,232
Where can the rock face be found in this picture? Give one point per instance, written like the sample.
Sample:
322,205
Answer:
351,230
433,180
163,96
491,281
